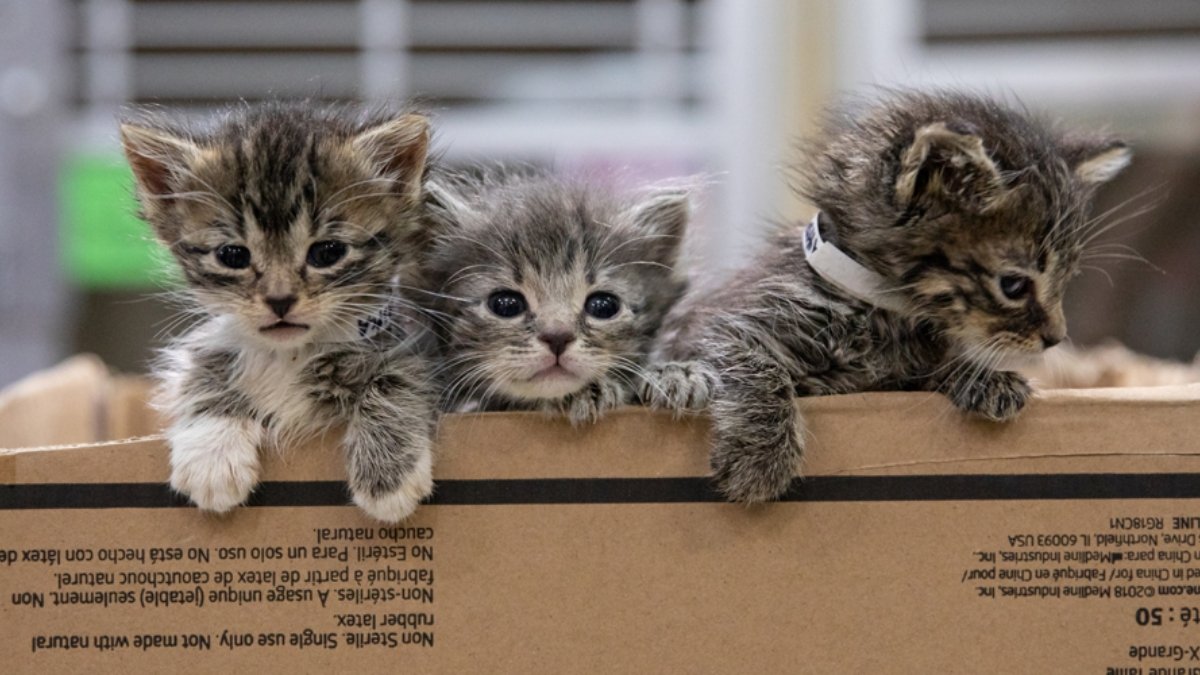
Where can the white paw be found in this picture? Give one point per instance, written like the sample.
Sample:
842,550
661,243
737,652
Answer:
214,461
399,504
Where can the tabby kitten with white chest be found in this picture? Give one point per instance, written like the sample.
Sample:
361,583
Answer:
552,292
294,226
948,228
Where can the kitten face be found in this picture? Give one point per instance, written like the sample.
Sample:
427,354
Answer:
556,285
976,212
993,286
290,221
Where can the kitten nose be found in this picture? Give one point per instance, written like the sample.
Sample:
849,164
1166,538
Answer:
281,306
1054,330
557,342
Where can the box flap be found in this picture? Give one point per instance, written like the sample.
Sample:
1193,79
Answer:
857,434
62,405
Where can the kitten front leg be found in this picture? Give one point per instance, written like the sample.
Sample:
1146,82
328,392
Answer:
389,432
757,440
996,395
216,433
678,386
589,404
214,459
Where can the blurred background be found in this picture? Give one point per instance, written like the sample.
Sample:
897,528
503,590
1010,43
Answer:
643,89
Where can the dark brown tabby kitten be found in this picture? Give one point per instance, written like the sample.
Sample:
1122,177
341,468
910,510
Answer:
552,293
295,228
959,221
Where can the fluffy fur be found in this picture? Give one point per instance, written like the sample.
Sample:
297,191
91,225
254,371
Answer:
953,199
552,293
295,227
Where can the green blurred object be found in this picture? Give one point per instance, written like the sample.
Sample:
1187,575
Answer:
104,244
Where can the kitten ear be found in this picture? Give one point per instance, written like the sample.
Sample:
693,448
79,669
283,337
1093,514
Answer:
1096,159
399,149
663,215
156,156
948,166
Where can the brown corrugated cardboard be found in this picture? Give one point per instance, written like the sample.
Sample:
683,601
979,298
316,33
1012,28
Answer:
921,541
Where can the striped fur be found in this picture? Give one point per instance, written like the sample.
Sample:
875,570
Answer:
291,343
556,243
948,196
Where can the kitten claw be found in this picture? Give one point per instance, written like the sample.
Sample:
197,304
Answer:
400,503
214,463
589,405
679,386
998,396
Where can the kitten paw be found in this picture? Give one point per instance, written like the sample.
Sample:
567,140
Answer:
754,463
751,478
997,396
399,503
678,386
590,404
214,462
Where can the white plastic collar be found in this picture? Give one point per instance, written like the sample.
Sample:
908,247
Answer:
839,269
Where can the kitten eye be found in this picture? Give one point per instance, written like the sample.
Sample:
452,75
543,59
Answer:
507,303
602,305
1015,286
326,253
234,257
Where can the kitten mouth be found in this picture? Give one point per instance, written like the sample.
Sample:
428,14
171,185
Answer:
284,331
554,372
551,382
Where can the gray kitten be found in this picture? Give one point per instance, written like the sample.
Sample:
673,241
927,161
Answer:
959,222
552,293
295,227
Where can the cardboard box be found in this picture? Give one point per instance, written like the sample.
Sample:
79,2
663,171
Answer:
920,541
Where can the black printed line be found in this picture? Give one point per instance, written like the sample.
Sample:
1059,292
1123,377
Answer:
678,490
